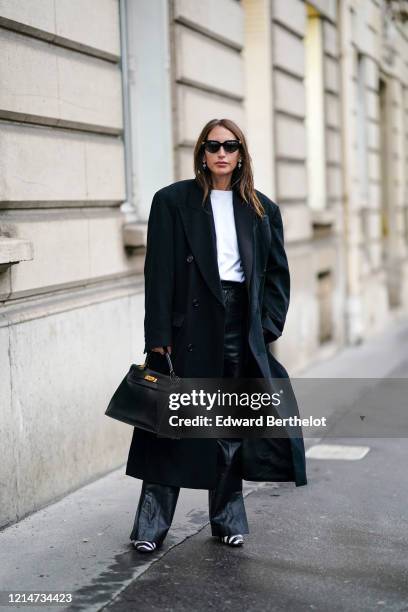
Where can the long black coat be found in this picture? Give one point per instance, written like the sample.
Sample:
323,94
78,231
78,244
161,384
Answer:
184,308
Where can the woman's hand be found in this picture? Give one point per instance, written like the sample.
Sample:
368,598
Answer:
160,349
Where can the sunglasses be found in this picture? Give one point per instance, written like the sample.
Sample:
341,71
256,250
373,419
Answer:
212,146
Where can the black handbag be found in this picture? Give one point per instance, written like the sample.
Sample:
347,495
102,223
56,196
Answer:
142,397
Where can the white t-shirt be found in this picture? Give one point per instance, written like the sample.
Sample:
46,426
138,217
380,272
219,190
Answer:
229,259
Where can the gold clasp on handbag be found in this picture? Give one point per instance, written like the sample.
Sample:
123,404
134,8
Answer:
151,378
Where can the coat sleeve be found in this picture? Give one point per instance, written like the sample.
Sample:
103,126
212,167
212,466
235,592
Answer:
277,283
159,275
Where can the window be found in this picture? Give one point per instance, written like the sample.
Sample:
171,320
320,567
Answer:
324,300
147,101
362,145
315,115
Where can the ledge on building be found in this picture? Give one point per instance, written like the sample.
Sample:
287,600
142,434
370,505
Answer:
135,235
14,250
323,222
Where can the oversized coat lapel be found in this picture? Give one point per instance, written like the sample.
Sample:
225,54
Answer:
199,226
245,224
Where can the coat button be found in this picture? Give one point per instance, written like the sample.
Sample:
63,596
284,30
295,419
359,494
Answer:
190,347
196,303
190,258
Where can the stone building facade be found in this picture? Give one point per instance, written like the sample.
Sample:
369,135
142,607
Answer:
100,105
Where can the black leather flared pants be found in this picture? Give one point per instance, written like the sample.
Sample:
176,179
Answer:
157,502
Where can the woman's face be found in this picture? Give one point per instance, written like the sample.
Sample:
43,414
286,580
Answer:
221,163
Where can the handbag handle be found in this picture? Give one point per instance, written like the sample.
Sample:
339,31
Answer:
169,362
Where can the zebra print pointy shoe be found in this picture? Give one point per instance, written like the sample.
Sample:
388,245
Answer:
144,545
233,540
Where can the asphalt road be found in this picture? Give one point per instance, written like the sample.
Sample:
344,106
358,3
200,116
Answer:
339,543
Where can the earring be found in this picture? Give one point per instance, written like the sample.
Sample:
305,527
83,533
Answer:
204,164
239,165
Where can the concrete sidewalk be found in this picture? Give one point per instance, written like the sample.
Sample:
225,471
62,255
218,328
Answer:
81,543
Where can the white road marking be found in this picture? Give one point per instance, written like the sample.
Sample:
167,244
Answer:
337,451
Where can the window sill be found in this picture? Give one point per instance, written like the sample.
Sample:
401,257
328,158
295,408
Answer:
325,217
135,235
13,250
323,223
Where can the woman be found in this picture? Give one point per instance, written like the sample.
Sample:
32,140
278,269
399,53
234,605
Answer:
217,291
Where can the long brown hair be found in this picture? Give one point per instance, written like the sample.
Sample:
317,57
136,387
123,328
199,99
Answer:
242,178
